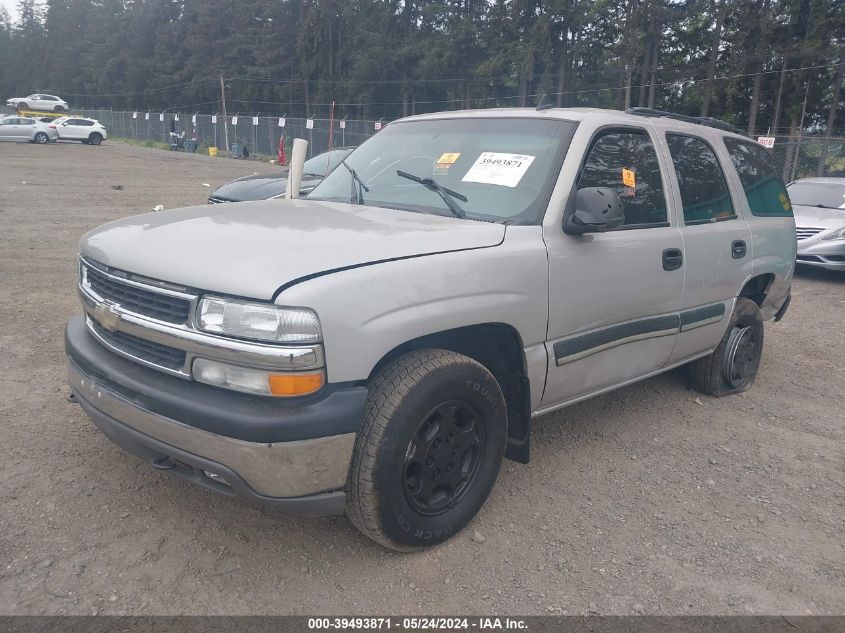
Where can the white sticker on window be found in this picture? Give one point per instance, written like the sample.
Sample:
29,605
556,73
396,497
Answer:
494,168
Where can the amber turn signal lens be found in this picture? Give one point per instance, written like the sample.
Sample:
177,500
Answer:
294,384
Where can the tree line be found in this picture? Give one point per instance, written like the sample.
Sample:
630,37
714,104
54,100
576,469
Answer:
762,65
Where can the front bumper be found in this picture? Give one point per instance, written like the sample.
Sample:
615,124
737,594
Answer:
827,254
292,455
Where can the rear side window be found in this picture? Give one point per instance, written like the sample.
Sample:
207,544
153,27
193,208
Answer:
764,189
626,161
704,192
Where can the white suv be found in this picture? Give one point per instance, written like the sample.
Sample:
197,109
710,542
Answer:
41,102
89,131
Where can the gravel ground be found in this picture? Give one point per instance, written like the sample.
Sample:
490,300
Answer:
648,500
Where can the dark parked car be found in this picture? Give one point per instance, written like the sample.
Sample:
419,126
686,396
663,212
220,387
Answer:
268,186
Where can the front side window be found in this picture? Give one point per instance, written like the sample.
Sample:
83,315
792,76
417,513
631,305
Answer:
763,188
626,162
704,192
489,169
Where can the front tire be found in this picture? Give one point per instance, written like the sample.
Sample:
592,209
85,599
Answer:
95,139
733,365
429,450
58,109
22,107
41,138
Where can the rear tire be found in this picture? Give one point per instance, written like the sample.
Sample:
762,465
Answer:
733,365
429,450
41,138
95,139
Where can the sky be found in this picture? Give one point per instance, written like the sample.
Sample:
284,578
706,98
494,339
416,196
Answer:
11,7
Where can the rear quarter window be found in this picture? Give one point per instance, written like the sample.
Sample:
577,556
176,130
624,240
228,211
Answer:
764,190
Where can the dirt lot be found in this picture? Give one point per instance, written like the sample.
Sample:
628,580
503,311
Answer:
650,499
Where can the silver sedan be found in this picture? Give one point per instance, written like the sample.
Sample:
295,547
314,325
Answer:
819,208
18,128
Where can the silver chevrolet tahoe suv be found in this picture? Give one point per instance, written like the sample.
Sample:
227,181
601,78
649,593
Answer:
379,346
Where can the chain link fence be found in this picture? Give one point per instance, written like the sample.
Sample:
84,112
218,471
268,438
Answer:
259,134
805,156
795,156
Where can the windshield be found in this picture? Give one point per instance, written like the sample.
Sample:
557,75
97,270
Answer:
322,164
830,195
493,169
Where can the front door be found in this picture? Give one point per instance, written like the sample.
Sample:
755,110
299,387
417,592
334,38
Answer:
71,130
614,296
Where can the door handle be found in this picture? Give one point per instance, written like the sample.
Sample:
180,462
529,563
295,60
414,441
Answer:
738,249
672,258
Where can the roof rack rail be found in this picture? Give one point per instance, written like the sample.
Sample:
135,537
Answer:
709,121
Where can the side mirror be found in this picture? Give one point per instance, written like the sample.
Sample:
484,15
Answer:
597,209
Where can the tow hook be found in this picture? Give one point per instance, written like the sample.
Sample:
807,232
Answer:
71,397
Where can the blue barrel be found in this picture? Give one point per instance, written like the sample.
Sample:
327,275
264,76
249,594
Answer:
237,150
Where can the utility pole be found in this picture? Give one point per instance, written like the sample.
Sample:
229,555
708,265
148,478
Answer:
223,102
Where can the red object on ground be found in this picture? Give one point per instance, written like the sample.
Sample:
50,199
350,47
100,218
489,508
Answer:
283,159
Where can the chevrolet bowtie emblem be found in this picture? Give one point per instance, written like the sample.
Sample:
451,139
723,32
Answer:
106,315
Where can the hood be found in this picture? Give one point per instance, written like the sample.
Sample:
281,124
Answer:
261,187
252,248
818,217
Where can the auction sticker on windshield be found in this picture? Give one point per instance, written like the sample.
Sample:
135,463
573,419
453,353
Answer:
495,168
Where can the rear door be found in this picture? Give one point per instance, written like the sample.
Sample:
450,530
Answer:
613,299
717,238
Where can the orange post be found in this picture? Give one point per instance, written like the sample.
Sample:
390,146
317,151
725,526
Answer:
283,159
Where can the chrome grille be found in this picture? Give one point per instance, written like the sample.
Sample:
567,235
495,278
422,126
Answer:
136,299
803,232
141,349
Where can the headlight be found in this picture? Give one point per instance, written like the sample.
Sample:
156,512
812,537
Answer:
258,321
838,234
257,381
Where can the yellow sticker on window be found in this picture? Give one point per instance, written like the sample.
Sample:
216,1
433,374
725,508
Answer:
629,178
447,160
784,202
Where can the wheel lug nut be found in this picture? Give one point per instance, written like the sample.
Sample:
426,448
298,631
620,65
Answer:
449,438
436,443
436,473
429,461
449,468
455,450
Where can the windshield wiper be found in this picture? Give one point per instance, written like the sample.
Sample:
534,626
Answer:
357,195
443,192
